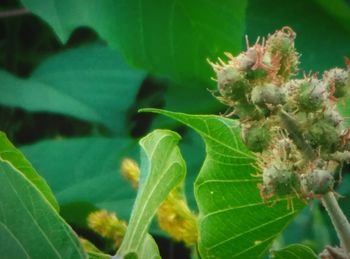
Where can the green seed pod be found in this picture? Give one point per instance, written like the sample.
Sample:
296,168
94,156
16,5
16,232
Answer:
263,95
232,84
338,82
280,180
317,182
257,138
323,134
311,95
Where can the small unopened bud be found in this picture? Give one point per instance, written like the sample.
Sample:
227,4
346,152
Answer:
280,180
283,54
256,137
232,84
312,94
263,95
338,82
317,182
247,59
323,134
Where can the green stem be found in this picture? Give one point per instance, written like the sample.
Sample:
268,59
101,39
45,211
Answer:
291,125
339,220
15,12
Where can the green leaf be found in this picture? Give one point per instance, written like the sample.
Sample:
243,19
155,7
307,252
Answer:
90,83
84,174
234,221
322,40
339,9
165,37
295,251
8,152
29,226
162,169
94,255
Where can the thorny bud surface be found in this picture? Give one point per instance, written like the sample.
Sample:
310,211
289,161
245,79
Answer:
317,182
291,124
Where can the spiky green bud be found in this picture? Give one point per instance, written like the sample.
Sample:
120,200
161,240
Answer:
338,82
257,137
232,84
316,182
311,95
263,95
279,180
324,135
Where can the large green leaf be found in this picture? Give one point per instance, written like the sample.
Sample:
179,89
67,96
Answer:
234,221
90,83
9,153
29,226
84,173
162,169
165,37
296,251
90,176
322,40
339,9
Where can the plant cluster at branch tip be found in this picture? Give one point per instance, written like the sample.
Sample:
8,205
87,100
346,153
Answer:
292,125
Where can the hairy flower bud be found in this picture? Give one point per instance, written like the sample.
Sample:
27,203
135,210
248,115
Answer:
317,182
281,47
312,94
256,137
280,180
232,84
263,95
247,59
338,82
323,134
332,115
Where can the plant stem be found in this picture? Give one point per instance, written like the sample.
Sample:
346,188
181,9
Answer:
339,220
15,12
291,125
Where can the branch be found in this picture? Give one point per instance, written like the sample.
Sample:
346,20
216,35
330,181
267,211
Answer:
15,12
339,220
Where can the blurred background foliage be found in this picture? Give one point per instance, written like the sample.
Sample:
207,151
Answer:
74,73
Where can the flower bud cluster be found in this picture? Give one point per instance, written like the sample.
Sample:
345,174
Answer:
292,124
